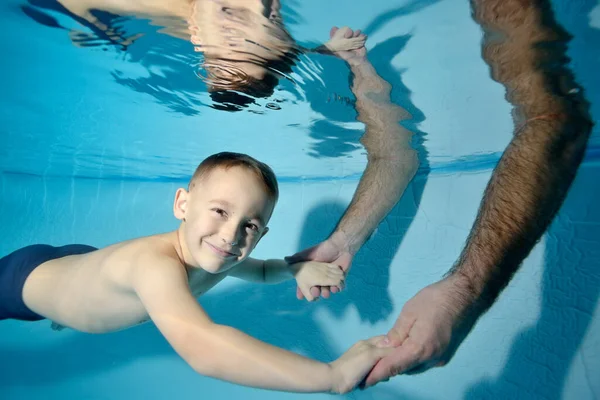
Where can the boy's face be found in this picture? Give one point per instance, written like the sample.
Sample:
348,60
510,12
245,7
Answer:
224,216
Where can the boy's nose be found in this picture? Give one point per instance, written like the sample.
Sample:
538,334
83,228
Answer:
230,236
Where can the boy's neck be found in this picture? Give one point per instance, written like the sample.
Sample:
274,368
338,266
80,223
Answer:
193,272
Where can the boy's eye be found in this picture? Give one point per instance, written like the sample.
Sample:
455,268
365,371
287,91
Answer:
219,211
253,227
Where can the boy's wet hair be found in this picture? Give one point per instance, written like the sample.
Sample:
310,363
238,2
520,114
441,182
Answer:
228,160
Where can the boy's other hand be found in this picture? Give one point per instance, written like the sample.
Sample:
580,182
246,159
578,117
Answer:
309,274
328,251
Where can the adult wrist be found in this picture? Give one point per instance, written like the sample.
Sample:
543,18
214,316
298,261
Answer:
344,242
470,290
358,64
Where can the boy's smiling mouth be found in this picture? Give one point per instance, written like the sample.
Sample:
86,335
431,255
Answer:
220,252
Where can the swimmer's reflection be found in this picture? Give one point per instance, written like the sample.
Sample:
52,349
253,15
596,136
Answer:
245,44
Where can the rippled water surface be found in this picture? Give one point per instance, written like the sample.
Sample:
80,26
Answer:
145,89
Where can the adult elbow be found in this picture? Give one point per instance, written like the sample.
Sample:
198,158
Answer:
576,130
414,163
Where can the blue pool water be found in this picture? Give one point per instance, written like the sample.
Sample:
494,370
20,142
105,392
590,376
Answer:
95,141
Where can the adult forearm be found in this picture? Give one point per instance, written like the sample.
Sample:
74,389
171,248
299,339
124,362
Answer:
391,161
381,186
521,199
536,170
233,356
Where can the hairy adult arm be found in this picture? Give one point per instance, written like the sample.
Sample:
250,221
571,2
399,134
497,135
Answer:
525,49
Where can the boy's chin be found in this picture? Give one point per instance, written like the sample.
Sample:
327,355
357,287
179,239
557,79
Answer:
216,269
212,270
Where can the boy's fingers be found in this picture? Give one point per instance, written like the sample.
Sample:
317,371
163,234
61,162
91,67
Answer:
333,31
382,352
375,339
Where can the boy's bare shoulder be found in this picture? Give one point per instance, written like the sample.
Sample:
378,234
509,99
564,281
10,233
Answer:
156,251
149,258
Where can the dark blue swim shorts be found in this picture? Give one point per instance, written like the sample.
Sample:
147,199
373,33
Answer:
16,267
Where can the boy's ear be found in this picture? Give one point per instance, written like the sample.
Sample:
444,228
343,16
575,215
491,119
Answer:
181,203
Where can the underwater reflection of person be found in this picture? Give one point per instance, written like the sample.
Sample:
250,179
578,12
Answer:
247,48
245,45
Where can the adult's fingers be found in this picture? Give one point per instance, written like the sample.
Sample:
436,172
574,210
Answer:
333,31
401,359
315,291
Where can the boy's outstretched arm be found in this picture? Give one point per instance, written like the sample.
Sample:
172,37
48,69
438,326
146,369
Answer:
307,274
228,354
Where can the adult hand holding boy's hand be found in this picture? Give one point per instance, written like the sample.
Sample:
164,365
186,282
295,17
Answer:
329,251
309,274
429,330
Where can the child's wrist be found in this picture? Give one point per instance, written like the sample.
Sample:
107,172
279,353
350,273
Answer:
332,376
294,268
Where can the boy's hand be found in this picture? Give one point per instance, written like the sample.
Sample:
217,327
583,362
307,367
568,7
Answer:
311,273
329,251
351,368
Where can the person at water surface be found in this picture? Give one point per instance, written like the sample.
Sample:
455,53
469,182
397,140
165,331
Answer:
245,45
